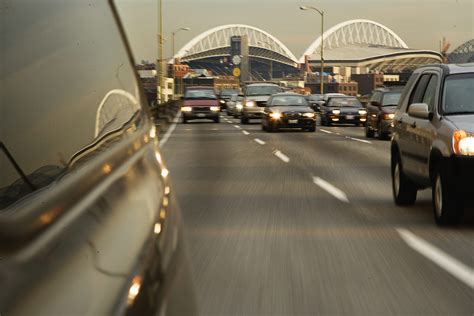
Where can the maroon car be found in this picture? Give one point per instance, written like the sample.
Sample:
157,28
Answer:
200,103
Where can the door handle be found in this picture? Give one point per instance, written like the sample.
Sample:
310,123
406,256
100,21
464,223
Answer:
413,124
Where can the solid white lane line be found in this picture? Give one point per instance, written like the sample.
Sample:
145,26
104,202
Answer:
325,131
258,140
236,126
360,140
246,133
282,156
170,130
338,194
455,267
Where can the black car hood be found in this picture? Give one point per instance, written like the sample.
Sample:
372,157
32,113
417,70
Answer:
464,122
292,108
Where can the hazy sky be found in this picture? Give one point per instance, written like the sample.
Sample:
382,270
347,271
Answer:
420,23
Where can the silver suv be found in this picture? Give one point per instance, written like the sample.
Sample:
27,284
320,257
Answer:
433,139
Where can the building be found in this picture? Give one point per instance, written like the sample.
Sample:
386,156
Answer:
347,88
368,82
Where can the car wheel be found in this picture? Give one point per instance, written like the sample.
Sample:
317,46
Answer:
217,120
323,121
368,131
185,120
404,190
447,208
311,129
264,128
244,120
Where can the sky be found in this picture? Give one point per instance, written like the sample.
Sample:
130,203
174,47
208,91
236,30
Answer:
420,23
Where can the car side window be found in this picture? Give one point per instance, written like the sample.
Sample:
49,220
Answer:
406,91
417,94
430,92
375,97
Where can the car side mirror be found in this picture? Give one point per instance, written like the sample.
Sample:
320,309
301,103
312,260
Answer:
419,110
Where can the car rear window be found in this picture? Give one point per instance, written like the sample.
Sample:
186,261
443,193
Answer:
262,90
200,94
353,102
289,100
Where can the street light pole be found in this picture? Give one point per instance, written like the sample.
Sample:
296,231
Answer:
321,76
159,63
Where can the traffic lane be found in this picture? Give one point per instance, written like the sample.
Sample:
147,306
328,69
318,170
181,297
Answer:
288,248
362,172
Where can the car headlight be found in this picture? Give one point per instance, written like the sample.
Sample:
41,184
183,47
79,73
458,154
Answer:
362,112
309,114
215,109
463,143
222,101
337,112
275,115
186,109
388,116
249,104
239,106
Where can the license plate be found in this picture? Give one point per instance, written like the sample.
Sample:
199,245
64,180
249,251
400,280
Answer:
350,117
201,115
293,121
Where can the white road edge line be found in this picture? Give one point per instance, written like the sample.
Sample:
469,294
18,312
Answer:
282,156
246,133
325,131
236,126
170,130
338,194
258,140
360,140
458,269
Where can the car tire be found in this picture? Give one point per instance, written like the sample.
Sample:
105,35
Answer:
323,121
403,189
264,128
369,133
447,207
311,129
217,120
185,120
244,120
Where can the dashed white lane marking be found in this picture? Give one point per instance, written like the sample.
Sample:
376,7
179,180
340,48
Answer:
229,122
282,156
338,194
458,269
258,140
236,126
170,130
359,140
246,133
325,131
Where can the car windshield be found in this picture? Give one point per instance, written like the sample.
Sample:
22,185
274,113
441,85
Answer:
457,95
262,90
344,102
391,98
290,100
200,94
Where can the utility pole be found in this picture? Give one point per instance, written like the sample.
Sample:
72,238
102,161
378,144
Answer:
159,62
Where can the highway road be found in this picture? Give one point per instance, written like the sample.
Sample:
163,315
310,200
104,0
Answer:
298,223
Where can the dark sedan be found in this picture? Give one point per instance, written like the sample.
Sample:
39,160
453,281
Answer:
343,110
288,110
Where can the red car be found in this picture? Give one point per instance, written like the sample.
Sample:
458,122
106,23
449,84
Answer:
200,103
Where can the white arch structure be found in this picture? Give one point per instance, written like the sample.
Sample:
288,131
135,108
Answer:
356,32
216,42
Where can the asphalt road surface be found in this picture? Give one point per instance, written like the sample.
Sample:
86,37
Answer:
299,223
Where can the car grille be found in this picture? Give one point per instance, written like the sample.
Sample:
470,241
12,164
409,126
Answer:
201,109
261,103
292,115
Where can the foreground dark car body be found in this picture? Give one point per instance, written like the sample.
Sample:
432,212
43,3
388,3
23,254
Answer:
200,103
88,222
341,109
380,111
288,110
